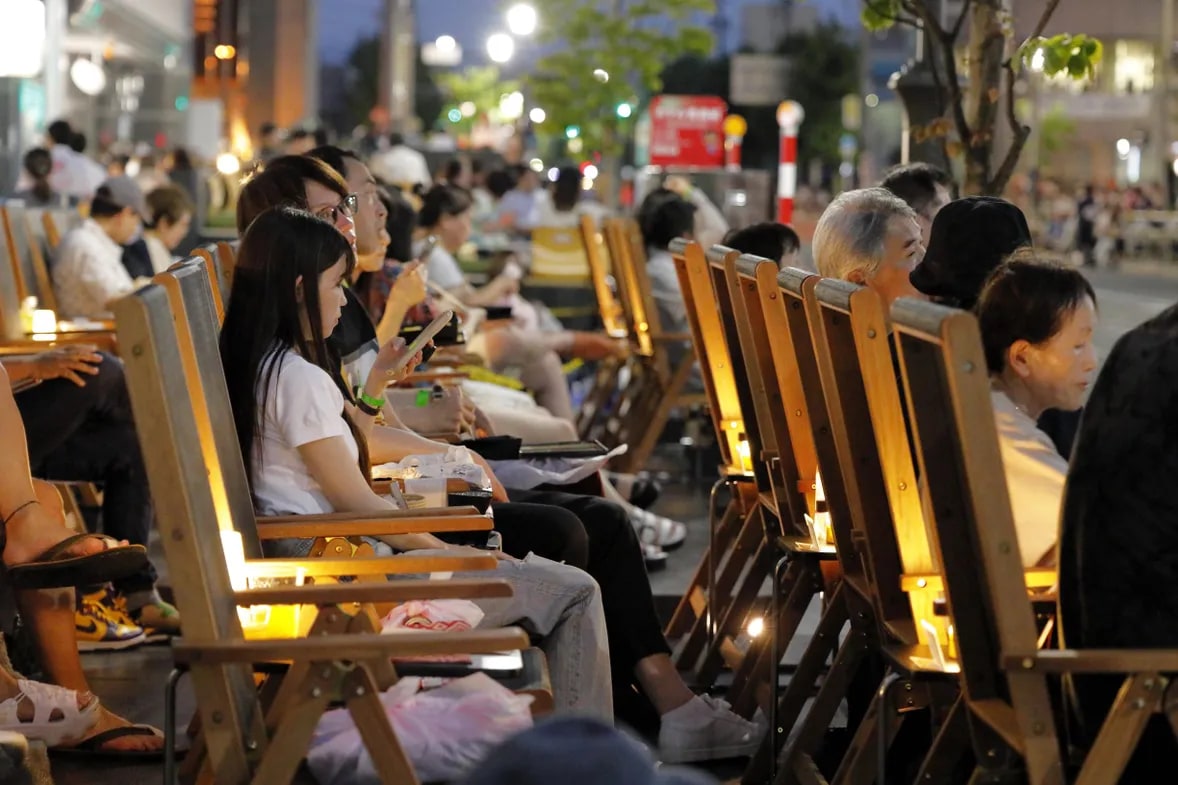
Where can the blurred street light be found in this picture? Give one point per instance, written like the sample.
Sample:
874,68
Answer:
625,110
500,47
445,43
521,19
228,164
601,75
224,51
537,115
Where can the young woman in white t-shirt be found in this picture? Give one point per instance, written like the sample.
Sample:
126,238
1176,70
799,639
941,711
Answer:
304,454
1037,321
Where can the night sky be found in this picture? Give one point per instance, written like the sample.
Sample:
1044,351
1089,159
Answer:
470,22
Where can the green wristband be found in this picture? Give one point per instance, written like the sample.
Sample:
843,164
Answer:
422,400
375,403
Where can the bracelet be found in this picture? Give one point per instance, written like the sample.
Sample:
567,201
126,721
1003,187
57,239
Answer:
12,514
371,411
422,399
370,402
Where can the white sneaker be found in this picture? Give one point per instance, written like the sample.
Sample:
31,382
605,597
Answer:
657,530
706,729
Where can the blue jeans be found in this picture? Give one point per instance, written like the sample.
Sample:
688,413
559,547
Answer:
558,603
87,434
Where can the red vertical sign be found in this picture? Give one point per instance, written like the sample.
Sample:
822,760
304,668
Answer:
687,130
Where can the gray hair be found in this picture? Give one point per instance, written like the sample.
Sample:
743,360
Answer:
851,233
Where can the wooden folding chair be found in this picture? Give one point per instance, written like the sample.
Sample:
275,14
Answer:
717,602
798,369
558,257
245,741
56,222
1004,674
211,258
653,389
606,379
25,252
227,263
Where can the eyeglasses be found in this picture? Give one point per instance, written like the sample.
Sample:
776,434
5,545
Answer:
345,209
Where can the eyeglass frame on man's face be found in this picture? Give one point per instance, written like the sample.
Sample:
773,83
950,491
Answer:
346,208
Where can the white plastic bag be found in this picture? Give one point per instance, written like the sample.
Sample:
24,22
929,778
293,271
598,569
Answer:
444,732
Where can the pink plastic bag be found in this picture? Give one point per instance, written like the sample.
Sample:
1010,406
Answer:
435,615
444,732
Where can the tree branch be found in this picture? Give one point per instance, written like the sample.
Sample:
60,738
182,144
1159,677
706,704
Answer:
945,45
960,23
1044,18
1020,131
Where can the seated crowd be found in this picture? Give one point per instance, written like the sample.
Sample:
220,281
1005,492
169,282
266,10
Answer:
333,262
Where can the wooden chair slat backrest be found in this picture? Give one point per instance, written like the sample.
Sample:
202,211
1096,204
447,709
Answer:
56,221
183,500
12,219
791,466
791,418
882,389
10,300
752,430
226,264
39,250
715,363
634,296
558,255
829,307
196,320
948,392
218,295
796,287
612,315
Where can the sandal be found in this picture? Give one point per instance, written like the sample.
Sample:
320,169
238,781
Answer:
56,568
92,747
663,532
56,716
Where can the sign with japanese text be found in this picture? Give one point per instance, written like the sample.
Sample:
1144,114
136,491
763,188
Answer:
687,131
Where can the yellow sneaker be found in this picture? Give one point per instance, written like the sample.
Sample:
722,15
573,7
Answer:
96,630
114,604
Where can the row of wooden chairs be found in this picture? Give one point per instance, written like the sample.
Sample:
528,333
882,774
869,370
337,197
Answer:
894,412
200,490
632,399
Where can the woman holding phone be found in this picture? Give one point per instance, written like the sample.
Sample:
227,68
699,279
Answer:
305,454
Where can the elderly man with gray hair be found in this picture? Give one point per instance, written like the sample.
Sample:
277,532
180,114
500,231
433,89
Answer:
869,237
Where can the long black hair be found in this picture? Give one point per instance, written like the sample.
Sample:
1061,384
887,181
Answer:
265,317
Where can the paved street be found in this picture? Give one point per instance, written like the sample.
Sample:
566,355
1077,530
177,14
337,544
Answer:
1129,298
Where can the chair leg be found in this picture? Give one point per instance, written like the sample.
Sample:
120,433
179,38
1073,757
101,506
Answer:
763,767
170,725
951,744
720,529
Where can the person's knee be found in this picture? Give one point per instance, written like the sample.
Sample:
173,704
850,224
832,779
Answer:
110,382
573,540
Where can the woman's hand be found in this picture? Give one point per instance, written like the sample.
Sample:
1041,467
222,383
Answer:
389,365
409,287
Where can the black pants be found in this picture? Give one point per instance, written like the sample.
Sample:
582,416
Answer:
87,434
613,558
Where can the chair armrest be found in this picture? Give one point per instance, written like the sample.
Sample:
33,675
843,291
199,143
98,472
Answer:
305,526
391,591
669,337
1036,577
367,565
348,647
1123,661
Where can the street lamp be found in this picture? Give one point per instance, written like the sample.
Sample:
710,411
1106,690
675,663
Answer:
500,47
521,19
445,43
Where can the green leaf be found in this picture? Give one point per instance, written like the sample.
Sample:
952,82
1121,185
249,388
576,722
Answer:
879,14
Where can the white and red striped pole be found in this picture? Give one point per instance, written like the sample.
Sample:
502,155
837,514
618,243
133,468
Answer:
735,127
789,118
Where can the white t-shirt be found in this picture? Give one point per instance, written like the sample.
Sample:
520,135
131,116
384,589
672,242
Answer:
303,406
88,272
1035,473
443,269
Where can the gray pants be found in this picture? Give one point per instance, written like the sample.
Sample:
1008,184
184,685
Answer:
558,603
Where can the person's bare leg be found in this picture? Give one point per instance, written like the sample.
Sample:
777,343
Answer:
31,529
662,683
50,615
